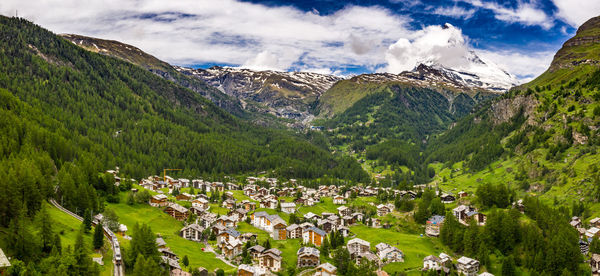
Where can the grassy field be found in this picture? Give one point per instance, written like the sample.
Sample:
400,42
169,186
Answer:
168,228
414,246
68,228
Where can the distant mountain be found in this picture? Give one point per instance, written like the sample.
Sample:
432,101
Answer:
284,94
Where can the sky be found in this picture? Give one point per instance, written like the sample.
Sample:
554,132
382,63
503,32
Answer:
327,36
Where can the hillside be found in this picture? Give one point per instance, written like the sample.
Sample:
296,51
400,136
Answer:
542,137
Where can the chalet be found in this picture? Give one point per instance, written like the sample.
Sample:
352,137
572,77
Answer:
344,230
294,231
388,253
279,231
179,272
229,195
217,228
433,226
592,232
255,251
376,223
595,264
432,262
226,221
576,222
197,183
347,220
228,236
462,194
383,210
308,257
229,204
447,198
311,216
4,262
232,186
519,205
158,200
268,203
171,264
288,207
356,246
339,200
326,269
207,219
313,235
177,211
184,197
160,242
192,232
465,214
595,222
344,211
326,215
326,225
358,216
270,259
238,214
218,186
467,266
246,237
249,190
199,211
168,253
232,248
249,205
248,270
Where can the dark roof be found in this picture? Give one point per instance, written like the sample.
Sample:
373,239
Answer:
318,231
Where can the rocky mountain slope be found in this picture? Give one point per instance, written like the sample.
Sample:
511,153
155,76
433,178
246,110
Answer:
284,94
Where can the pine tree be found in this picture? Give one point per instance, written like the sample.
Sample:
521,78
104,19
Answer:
44,224
87,220
185,261
508,266
98,236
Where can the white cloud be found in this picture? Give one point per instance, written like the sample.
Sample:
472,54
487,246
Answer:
525,13
188,32
577,12
525,66
434,44
455,12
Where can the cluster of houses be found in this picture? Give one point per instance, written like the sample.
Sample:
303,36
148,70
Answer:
443,263
360,251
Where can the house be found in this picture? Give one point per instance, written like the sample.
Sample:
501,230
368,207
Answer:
432,262
467,266
227,236
226,221
248,270
383,210
246,237
197,211
344,230
168,253
177,211
594,263
462,194
184,197
326,269
326,225
294,231
238,214
344,211
576,222
308,257
179,272
592,232
433,226
229,204
207,219
279,229
171,264
595,222
200,202
270,259
358,216
232,248
192,232
158,200
255,251
347,220
389,253
311,216
313,235
4,262
160,242
269,203
288,207
465,214
447,198
359,258
339,200
357,245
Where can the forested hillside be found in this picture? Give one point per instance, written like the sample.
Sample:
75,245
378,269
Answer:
68,113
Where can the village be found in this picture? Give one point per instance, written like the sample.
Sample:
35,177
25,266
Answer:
273,207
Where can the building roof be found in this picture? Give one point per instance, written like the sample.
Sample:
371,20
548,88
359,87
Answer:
3,259
288,205
318,231
342,208
257,248
193,226
327,266
178,208
431,258
159,197
436,219
292,227
466,260
359,241
308,251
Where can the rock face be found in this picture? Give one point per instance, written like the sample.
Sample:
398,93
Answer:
284,94
505,109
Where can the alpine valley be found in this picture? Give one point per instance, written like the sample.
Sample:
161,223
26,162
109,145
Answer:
112,155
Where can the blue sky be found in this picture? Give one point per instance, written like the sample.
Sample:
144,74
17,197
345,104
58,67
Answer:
328,36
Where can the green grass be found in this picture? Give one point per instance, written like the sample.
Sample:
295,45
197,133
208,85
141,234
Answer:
414,246
68,228
168,228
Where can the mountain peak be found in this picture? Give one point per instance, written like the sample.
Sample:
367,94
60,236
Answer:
583,48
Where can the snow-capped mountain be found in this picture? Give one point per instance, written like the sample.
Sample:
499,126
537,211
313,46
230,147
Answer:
284,94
